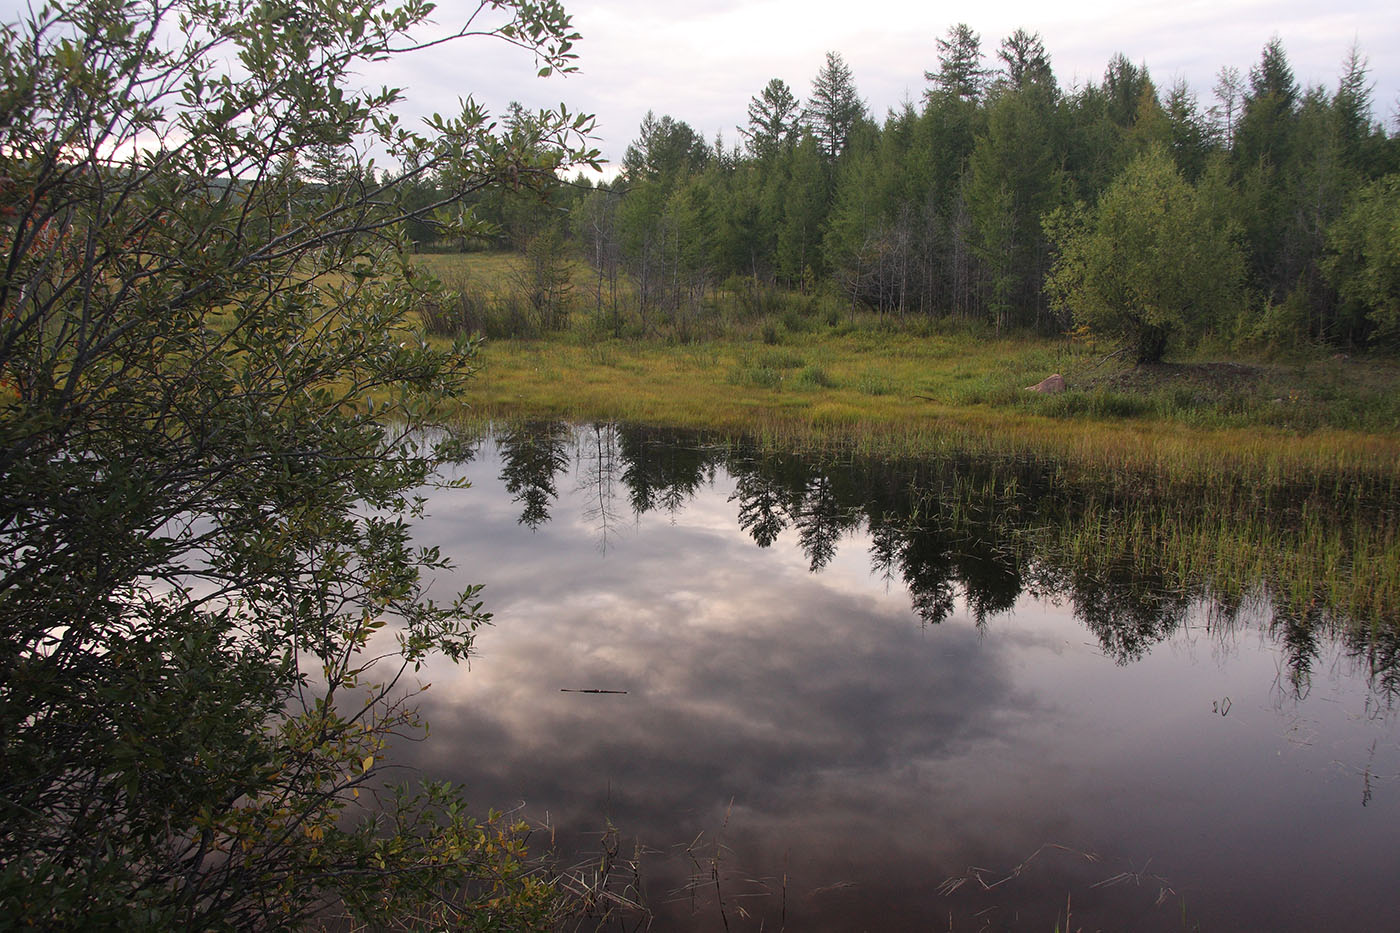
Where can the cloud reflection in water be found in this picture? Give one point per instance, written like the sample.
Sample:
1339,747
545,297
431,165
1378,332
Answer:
812,722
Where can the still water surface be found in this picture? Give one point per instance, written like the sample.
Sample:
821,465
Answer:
831,725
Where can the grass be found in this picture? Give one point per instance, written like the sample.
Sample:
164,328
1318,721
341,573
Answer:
788,370
923,395
491,271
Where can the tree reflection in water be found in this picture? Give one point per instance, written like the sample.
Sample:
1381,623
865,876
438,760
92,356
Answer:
851,679
1131,554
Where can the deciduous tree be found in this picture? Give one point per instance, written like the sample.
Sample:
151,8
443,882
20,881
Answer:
1364,262
1147,263
213,385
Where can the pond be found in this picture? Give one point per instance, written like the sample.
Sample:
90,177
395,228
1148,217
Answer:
828,693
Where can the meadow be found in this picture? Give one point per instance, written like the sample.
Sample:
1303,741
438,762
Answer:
808,371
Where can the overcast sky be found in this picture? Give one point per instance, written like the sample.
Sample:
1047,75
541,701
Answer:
702,61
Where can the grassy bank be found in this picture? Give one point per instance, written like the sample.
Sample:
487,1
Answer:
901,394
810,372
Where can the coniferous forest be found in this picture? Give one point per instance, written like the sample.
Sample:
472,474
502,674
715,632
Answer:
1259,211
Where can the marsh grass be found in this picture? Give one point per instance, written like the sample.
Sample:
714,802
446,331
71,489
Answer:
816,377
756,376
1308,556
1324,549
874,384
808,372
900,397
1137,542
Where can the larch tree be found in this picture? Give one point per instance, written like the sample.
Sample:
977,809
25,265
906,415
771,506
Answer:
834,108
773,120
663,149
960,71
1024,62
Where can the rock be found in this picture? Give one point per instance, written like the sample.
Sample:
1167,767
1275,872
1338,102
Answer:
1050,385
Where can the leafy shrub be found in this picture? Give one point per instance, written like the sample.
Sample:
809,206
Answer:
815,377
464,312
214,425
756,376
874,384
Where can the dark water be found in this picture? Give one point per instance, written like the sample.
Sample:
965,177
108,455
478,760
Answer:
849,707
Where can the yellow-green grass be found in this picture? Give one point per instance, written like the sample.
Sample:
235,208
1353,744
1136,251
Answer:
883,392
493,272
811,373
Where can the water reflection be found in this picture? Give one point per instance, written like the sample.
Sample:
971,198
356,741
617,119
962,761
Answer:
983,530
792,729
532,457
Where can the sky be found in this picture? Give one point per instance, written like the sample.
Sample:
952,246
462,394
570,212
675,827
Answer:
703,60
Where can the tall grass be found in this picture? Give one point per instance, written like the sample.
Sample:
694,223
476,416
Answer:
808,371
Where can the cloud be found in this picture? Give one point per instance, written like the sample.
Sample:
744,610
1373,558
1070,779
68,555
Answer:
803,740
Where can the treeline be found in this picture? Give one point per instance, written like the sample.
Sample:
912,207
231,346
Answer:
989,201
